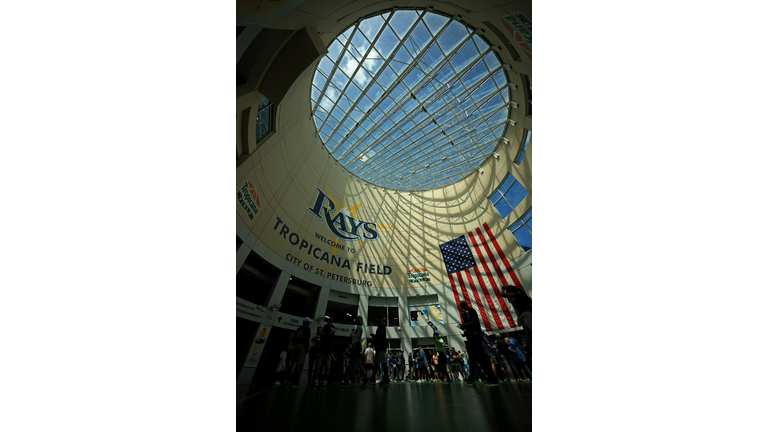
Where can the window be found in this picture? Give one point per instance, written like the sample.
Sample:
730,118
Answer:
508,196
341,313
526,141
522,230
265,120
425,307
528,90
386,306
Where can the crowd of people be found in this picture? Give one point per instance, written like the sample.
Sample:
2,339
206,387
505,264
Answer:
488,358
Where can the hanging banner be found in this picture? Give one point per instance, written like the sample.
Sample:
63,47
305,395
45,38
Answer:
290,322
249,311
432,311
258,346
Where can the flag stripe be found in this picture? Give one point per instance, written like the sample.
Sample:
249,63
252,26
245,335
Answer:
463,289
487,278
495,262
456,294
503,258
488,300
491,258
478,302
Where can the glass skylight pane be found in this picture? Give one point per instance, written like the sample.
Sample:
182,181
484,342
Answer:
332,123
402,21
360,43
364,103
398,136
432,58
387,42
475,75
375,92
420,37
401,60
362,78
435,22
484,91
398,92
319,80
376,115
371,27
344,103
466,54
372,65
500,78
455,33
356,114
492,62
387,77
334,50
326,65
339,78
413,78
397,115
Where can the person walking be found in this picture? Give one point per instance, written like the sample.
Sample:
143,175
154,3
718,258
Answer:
299,353
282,360
381,348
519,359
409,368
457,365
326,353
465,358
473,333
314,344
355,357
521,302
369,372
422,365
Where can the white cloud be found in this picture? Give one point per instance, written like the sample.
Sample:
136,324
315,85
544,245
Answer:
330,97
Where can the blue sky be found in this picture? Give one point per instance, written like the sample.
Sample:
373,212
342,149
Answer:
415,115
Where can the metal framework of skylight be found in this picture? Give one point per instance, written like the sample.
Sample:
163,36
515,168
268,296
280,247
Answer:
410,99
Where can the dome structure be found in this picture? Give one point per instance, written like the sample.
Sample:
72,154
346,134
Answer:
410,99
384,167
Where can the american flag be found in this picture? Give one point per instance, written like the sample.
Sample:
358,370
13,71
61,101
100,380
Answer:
478,270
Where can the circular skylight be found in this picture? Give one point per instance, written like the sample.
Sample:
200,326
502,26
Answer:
410,99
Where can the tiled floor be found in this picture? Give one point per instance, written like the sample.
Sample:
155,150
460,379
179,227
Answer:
399,407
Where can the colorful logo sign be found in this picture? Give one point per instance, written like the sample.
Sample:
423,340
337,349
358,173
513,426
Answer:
418,275
261,338
342,225
249,199
520,28
434,313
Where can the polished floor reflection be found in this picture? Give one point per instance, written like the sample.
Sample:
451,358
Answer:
400,407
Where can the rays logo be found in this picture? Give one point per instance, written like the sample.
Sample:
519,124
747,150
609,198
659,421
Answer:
342,225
